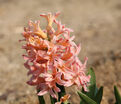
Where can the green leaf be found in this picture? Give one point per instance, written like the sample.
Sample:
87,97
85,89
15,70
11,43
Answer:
96,90
93,78
82,102
86,99
92,87
98,96
53,100
117,95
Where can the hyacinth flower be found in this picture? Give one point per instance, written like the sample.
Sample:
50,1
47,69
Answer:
52,58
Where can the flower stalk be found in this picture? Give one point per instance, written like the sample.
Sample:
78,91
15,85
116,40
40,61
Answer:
62,93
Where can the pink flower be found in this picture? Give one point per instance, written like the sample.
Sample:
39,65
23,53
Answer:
52,57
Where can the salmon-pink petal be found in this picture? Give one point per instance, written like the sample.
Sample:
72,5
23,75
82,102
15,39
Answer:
46,75
25,57
57,14
85,88
68,76
26,64
85,61
78,49
60,81
36,71
49,79
77,82
72,38
52,94
67,56
33,81
69,83
43,92
58,103
56,89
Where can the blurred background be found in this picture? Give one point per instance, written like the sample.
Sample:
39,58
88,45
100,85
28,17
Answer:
96,25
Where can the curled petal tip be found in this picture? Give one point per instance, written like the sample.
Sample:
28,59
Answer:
86,58
57,14
43,15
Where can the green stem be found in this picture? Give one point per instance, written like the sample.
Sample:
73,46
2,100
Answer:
62,93
41,99
53,100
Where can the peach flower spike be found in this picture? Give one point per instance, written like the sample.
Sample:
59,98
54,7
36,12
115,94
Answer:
52,57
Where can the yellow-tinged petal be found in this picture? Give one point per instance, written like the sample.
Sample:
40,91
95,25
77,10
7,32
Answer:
37,30
65,98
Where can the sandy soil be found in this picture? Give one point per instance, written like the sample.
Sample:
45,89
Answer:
97,25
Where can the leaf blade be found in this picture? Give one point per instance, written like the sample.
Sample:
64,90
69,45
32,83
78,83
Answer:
86,99
98,96
117,95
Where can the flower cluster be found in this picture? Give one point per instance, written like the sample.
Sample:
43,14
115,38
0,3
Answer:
52,57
